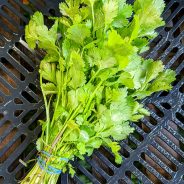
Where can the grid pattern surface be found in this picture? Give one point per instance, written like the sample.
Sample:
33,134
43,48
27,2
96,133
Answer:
153,154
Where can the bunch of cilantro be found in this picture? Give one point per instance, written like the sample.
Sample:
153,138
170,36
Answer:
93,78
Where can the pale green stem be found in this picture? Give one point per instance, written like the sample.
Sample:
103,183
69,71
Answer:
59,94
46,108
92,96
93,16
64,127
94,76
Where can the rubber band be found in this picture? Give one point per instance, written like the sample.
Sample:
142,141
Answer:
50,155
49,169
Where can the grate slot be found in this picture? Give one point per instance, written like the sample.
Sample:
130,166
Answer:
77,180
105,160
121,181
141,128
98,171
164,152
35,97
178,29
3,86
24,61
125,146
30,156
35,88
87,173
38,4
175,134
5,131
130,176
134,140
180,124
148,124
28,117
8,24
175,149
141,175
178,62
11,71
16,163
12,145
152,151
157,164
151,173
18,5
8,78
22,47
16,64
1,100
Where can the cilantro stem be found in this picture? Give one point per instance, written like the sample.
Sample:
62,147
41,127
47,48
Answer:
62,79
59,91
93,15
91,118
58,136
47,110
66,136
57,103
92,78
64,127
75,112
91,98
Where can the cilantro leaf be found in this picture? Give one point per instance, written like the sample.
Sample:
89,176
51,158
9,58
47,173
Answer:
124,12
70,8
149,13
115,147
49,88
77,68
30,30
163,81
37,31
110,9
78,33
48,71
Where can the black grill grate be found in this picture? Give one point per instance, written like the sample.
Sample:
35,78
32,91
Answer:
153,154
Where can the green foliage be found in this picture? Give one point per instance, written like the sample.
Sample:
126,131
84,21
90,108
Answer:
76,64
78,33
110,9
124,12
149,13
92,76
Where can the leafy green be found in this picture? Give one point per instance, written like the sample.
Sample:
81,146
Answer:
70,8
92,77
76,64
78,33
37,31
124,12
110,9
49,88
149,13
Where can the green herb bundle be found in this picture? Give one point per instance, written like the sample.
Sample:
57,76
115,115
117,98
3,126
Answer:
93,78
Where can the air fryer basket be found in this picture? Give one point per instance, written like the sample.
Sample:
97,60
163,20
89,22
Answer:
154,153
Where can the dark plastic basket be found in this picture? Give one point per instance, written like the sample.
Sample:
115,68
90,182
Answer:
153,154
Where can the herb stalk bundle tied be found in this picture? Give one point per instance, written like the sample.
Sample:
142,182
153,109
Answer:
93,78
